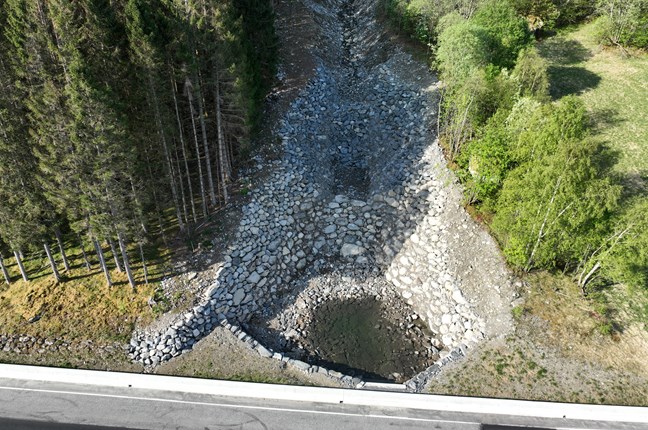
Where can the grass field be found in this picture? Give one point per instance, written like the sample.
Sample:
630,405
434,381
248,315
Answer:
614,86
81,306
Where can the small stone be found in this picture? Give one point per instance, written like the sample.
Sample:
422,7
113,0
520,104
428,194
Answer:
391,202
351,250
238,297
254,278
263,351
458,297
300,365
330,229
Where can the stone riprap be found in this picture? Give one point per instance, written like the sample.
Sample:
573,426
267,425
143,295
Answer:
27,344
362,183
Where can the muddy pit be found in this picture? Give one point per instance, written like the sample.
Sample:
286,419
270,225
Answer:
360,337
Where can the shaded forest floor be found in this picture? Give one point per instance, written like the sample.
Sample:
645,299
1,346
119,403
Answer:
82,306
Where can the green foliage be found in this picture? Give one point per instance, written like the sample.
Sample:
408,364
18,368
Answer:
517,312
553,202
487,160
93,121
623,22
531,75
508,29
628,247
422,19
573,11
463,48
260,44
540,14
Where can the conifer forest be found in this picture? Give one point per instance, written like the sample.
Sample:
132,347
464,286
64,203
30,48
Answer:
112,112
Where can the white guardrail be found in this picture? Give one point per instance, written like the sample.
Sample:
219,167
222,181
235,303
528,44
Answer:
475,405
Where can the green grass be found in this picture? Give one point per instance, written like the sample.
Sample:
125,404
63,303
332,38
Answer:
81,306
614,87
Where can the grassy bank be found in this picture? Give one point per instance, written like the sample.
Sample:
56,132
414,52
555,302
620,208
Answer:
561,350
82,306
613,84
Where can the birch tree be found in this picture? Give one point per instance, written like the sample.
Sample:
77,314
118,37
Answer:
551,205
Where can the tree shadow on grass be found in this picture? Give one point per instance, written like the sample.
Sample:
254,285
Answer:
564,52
603,119
570,80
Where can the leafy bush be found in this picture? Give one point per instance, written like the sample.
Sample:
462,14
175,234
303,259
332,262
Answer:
463,47
553,203
540,14
573,11
503,24
530,74
487,160
622,23
628,259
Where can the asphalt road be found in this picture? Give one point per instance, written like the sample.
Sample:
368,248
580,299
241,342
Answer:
37,405
10,424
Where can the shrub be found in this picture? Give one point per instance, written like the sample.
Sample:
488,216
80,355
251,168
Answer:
506,27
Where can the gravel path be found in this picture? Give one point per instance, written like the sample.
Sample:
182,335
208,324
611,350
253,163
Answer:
361,188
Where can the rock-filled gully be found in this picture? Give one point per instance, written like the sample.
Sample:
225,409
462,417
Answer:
354,258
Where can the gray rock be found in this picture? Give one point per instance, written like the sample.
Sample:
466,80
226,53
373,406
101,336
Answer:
263,351
351,250
300,365
238,297
330,229
254,278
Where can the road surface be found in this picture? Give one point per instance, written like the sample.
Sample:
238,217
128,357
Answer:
36,404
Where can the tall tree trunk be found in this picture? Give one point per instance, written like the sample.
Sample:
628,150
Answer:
55,272
184,153
5,273
222,151
229,152
102,261
18,256
59,240
122,247
203,128
144,268
158,121
183,196
85,256
160,220
138,205
203,196
115,255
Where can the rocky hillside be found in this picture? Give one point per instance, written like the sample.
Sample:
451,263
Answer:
359,205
